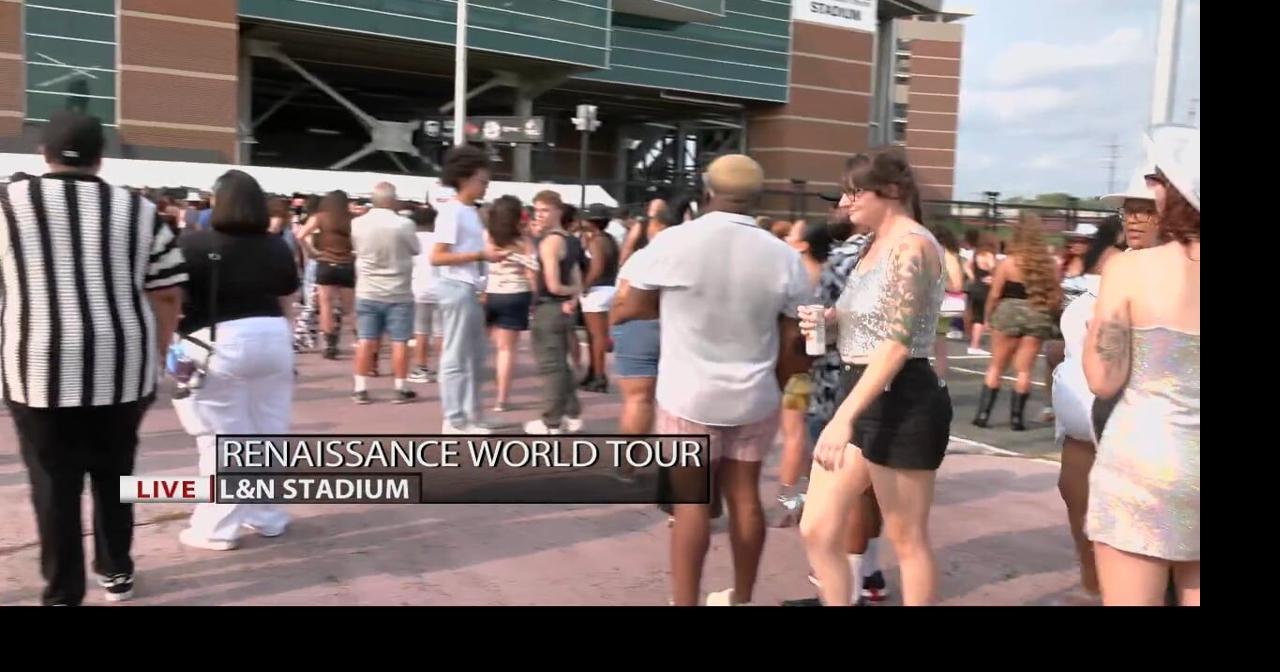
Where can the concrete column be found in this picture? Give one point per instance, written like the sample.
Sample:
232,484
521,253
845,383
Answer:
244,107
621,150
883,82
522,163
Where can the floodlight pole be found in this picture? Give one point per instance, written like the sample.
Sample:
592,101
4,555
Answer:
460,78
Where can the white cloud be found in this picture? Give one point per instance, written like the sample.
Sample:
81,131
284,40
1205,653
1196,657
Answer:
1027,61
979,160
1045,161
1016,104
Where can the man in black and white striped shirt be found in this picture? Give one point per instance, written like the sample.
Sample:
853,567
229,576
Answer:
90,290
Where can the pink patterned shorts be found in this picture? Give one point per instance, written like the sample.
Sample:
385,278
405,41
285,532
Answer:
741,443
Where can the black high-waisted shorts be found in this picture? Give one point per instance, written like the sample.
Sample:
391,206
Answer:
907,426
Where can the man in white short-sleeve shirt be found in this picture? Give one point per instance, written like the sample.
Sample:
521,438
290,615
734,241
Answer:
458,225
457,255
727,292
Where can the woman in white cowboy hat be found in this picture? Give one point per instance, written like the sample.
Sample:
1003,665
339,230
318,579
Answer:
1137,204
1143,346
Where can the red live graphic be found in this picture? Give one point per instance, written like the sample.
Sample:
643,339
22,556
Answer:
165,489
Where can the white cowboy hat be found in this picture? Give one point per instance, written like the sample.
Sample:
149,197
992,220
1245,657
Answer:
1082,230
1137,187
1175,151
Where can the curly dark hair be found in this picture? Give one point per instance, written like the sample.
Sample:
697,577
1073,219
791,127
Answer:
461,163
1039,271
1179,220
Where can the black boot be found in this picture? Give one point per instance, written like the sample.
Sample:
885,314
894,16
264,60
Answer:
597,384
986,402
331,345
1017,405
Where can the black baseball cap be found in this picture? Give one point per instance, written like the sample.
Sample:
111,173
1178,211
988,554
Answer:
598,212
832,196
73,138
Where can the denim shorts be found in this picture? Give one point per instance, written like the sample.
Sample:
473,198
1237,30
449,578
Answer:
375,318
635,349
427,320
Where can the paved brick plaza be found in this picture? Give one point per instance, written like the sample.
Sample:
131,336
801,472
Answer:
998,525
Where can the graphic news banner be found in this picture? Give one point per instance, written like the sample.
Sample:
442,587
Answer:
442,469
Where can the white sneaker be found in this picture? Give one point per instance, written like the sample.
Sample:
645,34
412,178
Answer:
188,537
724,598
540,427
446,428
955,335
978,351
1047,415
858,599
573,424
263,531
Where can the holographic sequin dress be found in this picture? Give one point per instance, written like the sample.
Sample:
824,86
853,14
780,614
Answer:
1144,490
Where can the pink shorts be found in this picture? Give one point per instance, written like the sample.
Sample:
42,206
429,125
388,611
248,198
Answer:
741,443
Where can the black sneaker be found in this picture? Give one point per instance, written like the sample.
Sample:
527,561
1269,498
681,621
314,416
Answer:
404,397
874,588
361,397
118,587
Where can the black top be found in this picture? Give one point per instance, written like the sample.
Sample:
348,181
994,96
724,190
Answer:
1013,290
609,277
256,269
573,255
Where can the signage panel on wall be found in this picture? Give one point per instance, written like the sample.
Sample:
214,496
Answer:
848,14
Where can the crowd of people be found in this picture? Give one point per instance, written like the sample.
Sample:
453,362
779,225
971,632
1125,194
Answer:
104,290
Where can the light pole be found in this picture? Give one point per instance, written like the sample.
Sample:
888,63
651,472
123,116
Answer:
585,122
1166,62
993,208
460,78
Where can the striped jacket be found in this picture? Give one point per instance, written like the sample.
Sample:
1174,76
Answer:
76,257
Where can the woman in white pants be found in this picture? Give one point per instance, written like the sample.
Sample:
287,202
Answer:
1072,401
237,274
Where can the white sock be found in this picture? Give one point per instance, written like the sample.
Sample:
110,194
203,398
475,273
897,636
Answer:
855,577
361,383
871,558
399,384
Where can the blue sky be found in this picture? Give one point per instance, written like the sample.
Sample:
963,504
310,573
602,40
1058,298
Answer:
1047,84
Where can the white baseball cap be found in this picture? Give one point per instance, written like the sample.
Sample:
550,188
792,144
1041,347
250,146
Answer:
1137,188
1175,151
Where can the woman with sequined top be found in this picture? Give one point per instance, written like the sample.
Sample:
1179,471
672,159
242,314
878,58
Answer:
1143,348
891,430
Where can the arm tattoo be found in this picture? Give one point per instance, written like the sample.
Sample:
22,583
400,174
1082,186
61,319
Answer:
1112,345
906,293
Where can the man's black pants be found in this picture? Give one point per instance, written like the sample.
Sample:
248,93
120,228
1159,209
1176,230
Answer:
60,446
